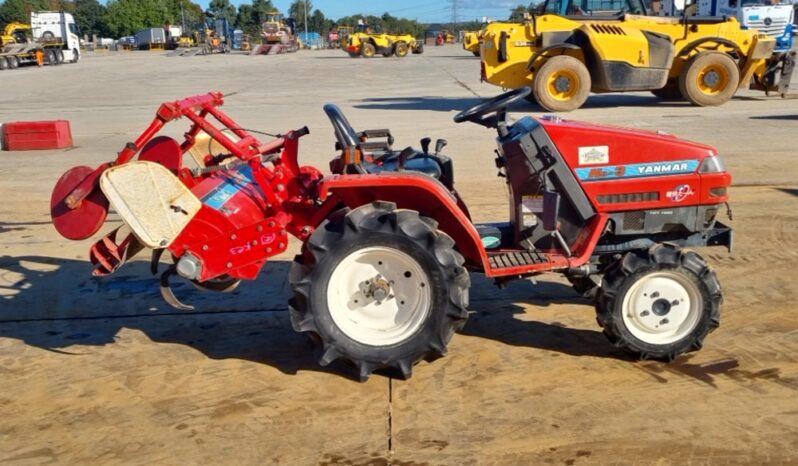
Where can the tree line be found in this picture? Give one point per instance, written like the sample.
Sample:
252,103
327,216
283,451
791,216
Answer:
119,18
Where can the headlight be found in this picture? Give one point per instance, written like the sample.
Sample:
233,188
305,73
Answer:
712,164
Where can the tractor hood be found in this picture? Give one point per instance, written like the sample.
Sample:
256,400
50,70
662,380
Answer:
593,145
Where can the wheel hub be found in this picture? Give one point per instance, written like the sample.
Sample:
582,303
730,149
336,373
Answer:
712,78
562,84
379,296
662,307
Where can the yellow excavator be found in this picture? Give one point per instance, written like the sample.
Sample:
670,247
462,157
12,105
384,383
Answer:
570,48
15,33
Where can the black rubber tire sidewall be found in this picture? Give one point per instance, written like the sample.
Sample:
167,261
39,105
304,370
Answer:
371,50
418,342
401,49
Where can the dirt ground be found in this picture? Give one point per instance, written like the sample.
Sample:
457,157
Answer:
100,371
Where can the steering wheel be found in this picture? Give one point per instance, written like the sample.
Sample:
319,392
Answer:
344,133
497,104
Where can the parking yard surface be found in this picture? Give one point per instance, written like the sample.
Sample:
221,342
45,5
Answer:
101,371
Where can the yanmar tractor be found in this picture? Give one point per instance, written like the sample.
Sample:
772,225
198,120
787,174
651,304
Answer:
388,244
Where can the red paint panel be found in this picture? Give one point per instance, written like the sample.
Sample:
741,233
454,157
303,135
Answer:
37,135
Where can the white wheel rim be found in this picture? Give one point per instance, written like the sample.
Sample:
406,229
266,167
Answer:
662,307
363,277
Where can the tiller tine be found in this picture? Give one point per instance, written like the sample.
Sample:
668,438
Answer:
107,255
167,293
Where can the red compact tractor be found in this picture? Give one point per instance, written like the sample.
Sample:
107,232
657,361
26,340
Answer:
383,277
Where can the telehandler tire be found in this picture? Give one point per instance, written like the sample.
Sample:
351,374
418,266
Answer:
670,92
659,303
368,50
379,287
709,78
401,49
562,84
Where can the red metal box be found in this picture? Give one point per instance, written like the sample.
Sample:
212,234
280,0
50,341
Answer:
37,135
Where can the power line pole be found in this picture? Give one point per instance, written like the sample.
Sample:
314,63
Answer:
454,12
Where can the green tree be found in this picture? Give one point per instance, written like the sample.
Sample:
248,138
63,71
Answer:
90,16
250,17
223,9
297,11
126,17
517,13
19,10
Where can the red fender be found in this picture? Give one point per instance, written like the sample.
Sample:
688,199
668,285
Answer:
414,192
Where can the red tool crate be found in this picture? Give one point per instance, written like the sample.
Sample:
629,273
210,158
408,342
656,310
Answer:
37,135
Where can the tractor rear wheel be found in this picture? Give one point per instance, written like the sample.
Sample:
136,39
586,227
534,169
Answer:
562,84
401,49
368,50
709,78
379,287
659,303
670,92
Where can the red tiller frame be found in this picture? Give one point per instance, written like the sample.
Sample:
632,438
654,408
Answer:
196,109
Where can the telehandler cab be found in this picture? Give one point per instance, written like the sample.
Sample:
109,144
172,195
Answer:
382,280
570,48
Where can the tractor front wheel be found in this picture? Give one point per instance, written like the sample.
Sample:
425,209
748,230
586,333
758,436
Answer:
709,79
368,50
401,49
562,84
659,303
379,287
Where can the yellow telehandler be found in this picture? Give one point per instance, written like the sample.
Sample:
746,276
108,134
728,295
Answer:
572,47
367,41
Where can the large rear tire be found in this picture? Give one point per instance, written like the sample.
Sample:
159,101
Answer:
368,50
562,84
380,288
659,303
709,79
401,49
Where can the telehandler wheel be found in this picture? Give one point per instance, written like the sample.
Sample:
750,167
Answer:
380,288
368,50
709,78
659,303
401,49
562,84
670,92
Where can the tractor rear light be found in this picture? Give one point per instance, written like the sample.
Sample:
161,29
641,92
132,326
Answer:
712,164
717,192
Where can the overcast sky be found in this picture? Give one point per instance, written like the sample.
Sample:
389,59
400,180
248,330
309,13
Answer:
425,11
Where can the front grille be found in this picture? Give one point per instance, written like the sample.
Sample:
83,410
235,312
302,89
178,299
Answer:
634,220
629,197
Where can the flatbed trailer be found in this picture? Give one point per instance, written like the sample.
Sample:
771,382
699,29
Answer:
47,53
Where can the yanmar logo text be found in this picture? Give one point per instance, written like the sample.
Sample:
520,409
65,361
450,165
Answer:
637,170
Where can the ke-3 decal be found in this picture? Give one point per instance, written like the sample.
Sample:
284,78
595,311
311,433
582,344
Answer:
637,170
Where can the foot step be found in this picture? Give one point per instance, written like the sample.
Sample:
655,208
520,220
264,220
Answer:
516,259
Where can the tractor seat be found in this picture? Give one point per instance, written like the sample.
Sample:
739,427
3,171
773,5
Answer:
417,163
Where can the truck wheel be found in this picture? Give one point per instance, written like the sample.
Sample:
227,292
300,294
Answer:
75,56
50,57
670,92
401,49
13,63
59,57
380,288
3,63
562,84
659,303
368,50
710,78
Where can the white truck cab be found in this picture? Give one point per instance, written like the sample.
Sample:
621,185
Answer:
54,26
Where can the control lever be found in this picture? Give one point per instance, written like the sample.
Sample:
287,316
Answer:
439,145
406,153
425,145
